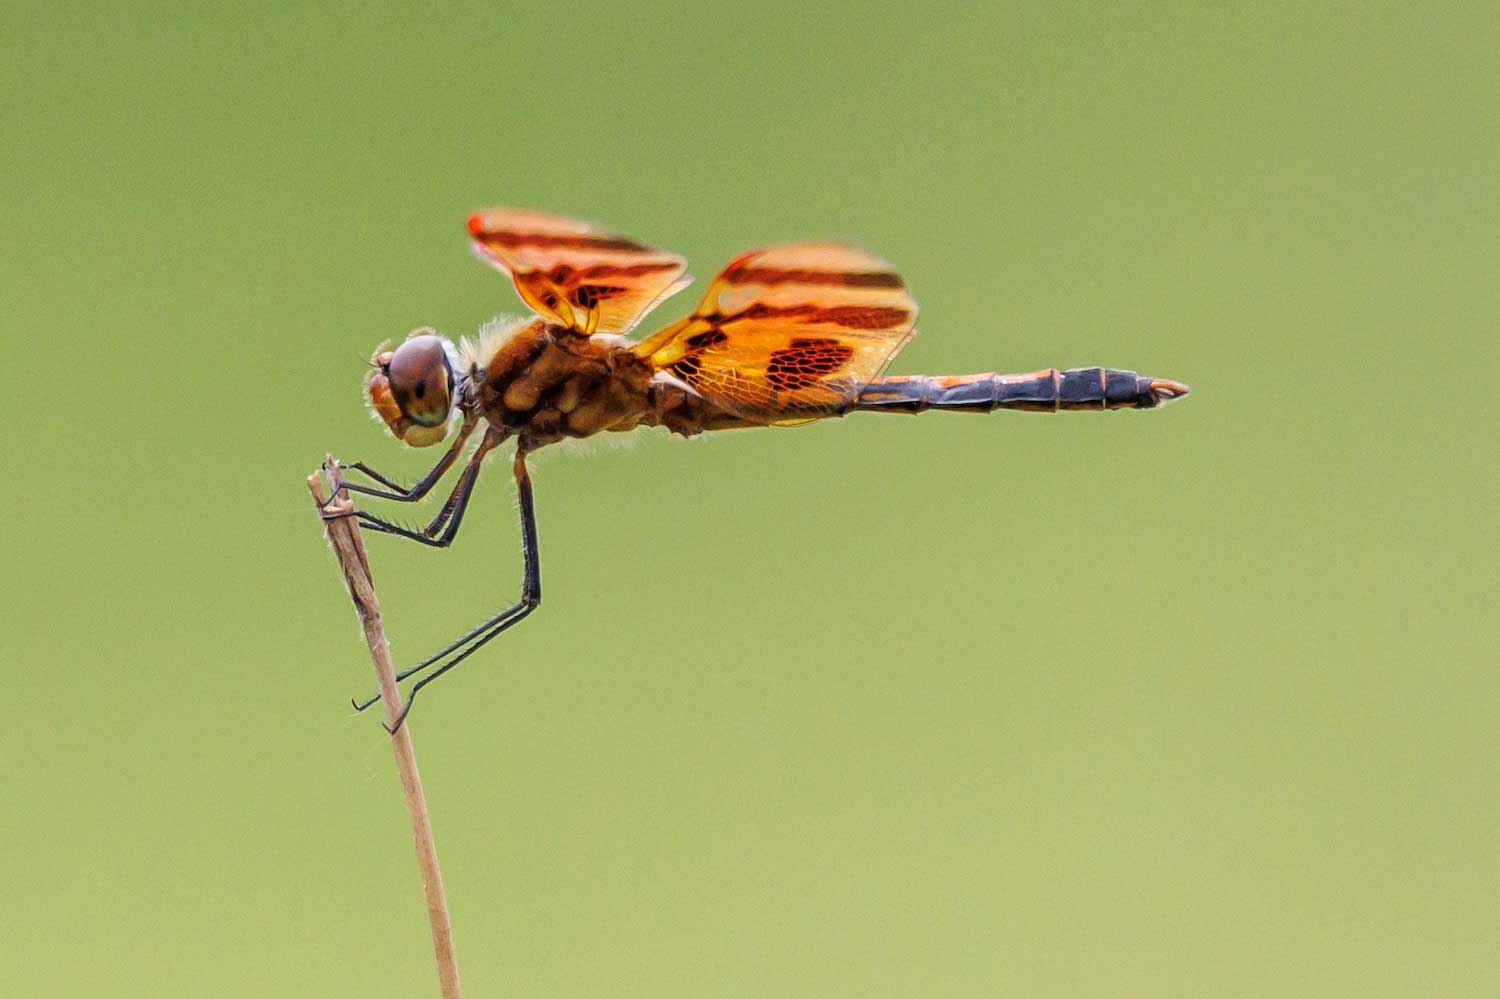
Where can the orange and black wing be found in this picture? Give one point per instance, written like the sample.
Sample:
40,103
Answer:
574,274
789,333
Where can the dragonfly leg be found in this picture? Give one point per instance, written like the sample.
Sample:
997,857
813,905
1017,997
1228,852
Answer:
403,494
444,527
467,645
496,624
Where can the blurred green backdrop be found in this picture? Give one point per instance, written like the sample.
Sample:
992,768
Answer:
1198,702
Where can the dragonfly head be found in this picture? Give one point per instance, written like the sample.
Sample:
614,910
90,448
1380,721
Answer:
411,388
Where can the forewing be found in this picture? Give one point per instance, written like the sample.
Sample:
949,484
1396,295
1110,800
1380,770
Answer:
575,274
790,333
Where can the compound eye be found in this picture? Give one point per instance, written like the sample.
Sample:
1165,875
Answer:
420,380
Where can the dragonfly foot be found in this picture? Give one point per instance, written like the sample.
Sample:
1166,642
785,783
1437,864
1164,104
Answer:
400,719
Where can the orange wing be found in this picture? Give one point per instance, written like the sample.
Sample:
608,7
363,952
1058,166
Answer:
574,274
789,333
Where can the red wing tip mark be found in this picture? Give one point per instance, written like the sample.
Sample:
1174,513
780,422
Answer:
476,224
739,262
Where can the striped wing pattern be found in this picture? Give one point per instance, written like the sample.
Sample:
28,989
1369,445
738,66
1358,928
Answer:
574,274
789,334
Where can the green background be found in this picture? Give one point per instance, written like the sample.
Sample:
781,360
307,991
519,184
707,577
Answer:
1199,702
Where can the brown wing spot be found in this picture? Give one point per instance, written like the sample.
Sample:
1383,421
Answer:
780,275
562,272
689,366
590,295
703,341
804,361
539,240
859,317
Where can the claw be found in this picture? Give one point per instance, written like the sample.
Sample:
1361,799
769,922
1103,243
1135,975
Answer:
400,720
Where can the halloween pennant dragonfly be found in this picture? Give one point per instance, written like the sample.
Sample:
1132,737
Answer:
784,335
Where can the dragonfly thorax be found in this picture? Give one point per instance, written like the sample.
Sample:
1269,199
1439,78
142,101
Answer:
546,383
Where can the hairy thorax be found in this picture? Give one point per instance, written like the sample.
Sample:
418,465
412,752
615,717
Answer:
545,383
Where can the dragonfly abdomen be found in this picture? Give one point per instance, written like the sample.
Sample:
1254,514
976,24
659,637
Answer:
1040,391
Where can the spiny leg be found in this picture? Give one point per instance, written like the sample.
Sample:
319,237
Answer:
531,598
531,589
396,491
404,494
496,624
454,507
428,535
498,621
450,515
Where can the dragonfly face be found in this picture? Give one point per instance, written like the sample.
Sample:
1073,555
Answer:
411,388
784,335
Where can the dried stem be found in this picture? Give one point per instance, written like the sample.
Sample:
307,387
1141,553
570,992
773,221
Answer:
348,545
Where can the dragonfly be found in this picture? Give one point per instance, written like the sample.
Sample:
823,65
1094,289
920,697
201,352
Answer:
785,335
